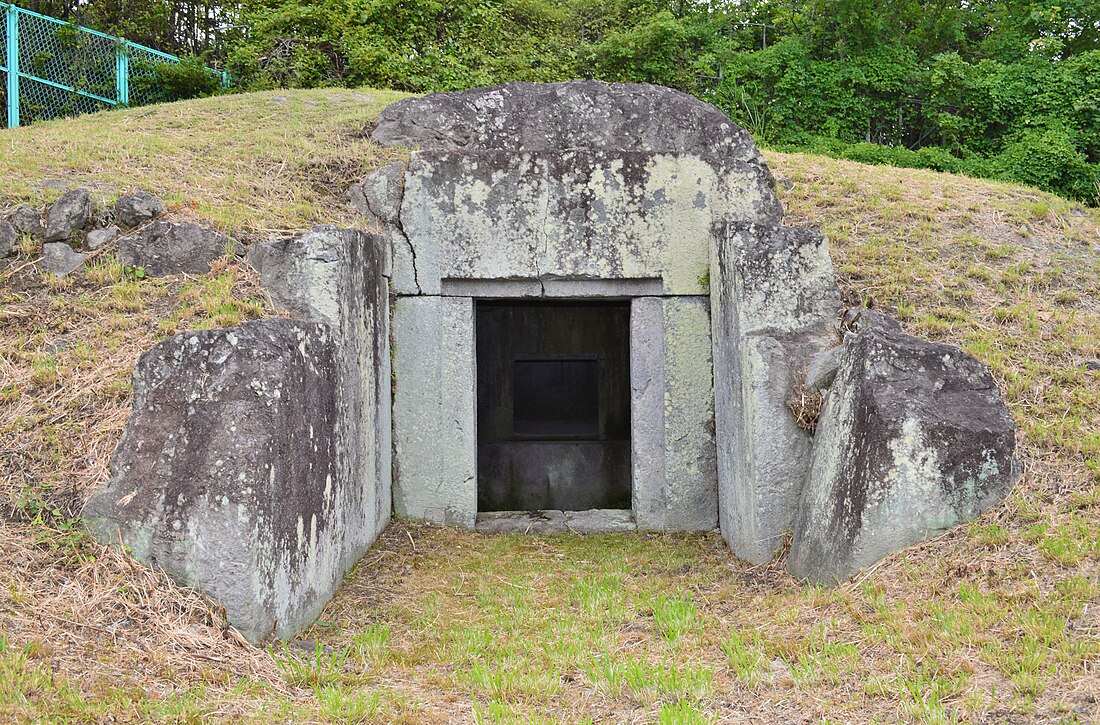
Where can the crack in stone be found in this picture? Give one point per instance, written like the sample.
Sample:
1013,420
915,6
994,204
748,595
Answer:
400,229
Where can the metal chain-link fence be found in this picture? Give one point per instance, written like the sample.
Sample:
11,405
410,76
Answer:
50,68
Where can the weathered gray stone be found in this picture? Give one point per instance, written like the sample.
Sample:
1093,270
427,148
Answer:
28,220
337,276
691,481
914,439
99,237
61,260
257,462
856,319
647,413
8,238
163,248
133,210
572,215
821,371
593,521
596,521
434,405
226,475
379,194
536,117
774,304
68,215
521,522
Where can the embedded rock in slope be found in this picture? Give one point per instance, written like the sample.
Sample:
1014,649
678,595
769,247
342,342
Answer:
378,195
7,239
68,215
774,302
914,438
135,209
98,237
169,248
27,220
60,259
227,475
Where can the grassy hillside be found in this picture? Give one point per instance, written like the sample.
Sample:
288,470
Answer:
998,621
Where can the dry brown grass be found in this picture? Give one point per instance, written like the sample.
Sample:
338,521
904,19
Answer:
998,621
88,612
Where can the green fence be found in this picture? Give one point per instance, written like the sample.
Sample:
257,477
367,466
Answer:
51,68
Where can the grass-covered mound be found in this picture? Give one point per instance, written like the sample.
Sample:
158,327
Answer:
996,621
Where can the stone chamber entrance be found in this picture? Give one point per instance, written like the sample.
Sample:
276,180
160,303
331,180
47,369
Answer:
553,406
575,299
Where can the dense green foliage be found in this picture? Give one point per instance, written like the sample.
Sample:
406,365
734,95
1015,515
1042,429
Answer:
1006,89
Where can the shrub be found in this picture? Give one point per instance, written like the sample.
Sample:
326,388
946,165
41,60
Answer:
1047,158
168,81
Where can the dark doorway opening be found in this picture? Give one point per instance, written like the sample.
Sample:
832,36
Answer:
553,406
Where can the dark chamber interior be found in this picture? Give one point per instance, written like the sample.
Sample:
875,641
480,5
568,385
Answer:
553,406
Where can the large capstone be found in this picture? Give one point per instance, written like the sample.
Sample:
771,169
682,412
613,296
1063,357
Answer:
532,117
914,439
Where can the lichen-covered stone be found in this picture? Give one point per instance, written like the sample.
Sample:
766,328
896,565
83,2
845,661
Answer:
226,475
914,439
536,117
338,276
134,210
566,215
434,410
68,215
774,304
164,248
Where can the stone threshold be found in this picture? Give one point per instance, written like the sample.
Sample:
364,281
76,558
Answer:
593,521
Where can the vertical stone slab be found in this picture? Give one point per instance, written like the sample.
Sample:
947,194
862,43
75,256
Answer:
734,455
434,421
691,488
340,277
774,301
647,412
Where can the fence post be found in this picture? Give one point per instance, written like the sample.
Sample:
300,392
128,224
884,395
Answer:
12,63
122,73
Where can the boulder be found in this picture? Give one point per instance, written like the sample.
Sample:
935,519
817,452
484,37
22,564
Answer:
98,237
68,215
8,238
61,260
163,248
914,438
134,210
225,476
27,220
